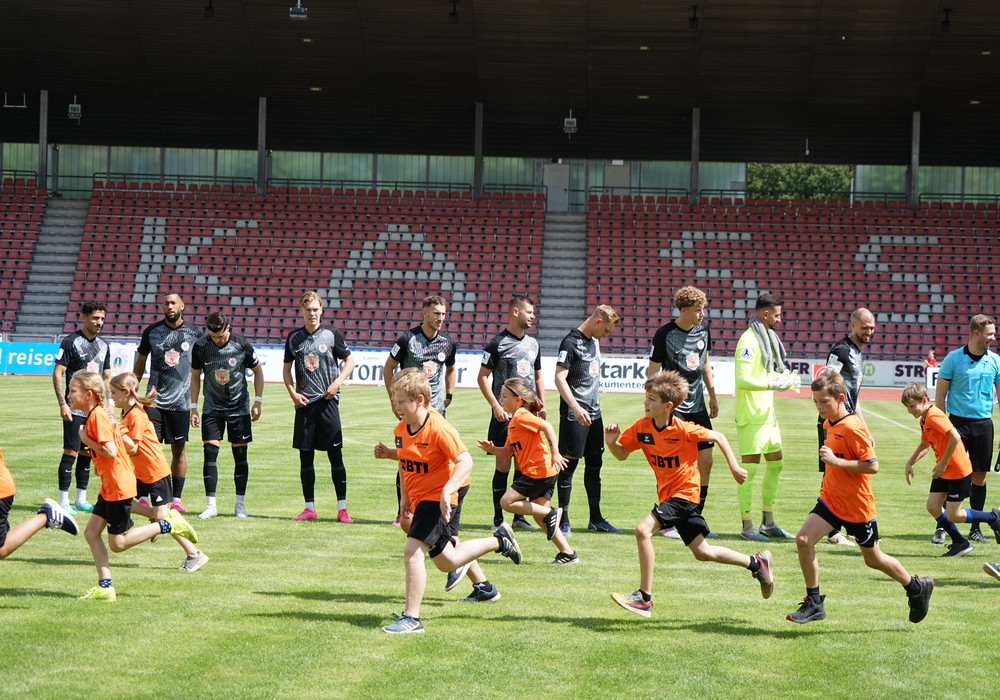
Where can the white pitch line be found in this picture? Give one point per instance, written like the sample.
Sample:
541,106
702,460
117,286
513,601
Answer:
869,412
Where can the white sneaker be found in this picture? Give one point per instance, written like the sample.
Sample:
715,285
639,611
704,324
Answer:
240,510
841,539
194,562
209,512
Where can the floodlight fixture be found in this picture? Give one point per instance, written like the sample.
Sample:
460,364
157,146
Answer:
298,12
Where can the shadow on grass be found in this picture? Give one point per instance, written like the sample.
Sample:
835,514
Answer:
34,593
364,621
56,562
984,582
334,597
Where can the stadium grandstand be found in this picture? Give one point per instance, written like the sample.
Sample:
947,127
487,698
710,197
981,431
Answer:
577,152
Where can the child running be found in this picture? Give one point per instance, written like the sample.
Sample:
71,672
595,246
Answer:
50,515
434,464
951,478
152,472
846,500
531,441
671,447
118,488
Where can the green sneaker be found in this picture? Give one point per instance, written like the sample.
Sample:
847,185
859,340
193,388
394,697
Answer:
180,526
98,593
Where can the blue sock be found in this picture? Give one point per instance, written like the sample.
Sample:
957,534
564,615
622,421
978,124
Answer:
950,528
980,516
105,583
164,527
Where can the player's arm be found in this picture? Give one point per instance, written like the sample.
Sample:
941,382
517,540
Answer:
941,394
860,466
611,434
954,440
195,392
745,377
540,391
106,449
383,451
582,416
58,383
558,461
130,445
484,386
286,376
653,368
258,392
345,371
917,455
738,472
709,379
387,374
450,379
139,366
461,472
488,446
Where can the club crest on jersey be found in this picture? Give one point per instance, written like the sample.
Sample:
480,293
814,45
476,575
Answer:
430,369
185,346
222,376
747,354
171,357
93,366
440,357
691,360
595,368
232,361
645,438
311,362
322,347
700,344
523,368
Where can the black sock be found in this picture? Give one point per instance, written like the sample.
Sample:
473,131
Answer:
307,474
592,483
241,471
565,483
913,587
483,585
65,473
499,489
977,501
338,472
813,594
754,564
646,597
177,483
83,474
211,469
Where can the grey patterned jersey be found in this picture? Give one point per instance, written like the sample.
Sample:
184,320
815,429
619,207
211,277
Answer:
79,354
316,358
169,352
415,349
846,359
582,357
685,353
508,356
224,374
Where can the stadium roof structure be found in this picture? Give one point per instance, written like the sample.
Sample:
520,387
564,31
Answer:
403,76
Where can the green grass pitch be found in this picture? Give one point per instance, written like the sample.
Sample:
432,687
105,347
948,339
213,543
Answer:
288,610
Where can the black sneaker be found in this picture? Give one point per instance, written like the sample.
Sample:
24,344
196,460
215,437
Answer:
808,611
482,595
552,522
995,526
564,558
977,536
521,523
454,577
507,544
958,549
921,601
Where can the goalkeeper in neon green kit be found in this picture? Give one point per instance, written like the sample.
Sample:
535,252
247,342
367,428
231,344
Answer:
760,371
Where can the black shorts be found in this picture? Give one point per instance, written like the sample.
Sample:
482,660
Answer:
428,526
977,436
214,427
701,419
317,426
535,488
822,441
866,534
957,489
456,512
71,433
170,426
683,515
575,440
5,504
118,514
159,493
498,432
